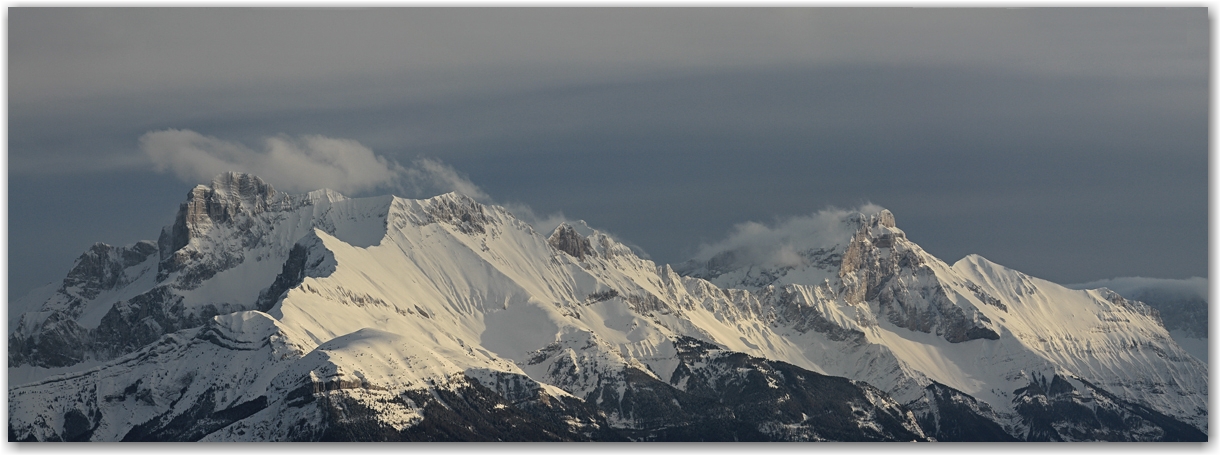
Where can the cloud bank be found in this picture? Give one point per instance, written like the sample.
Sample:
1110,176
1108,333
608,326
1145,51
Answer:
778,245
1136,287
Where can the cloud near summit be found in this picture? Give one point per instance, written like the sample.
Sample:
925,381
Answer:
297,164
301,164
779,243
310,162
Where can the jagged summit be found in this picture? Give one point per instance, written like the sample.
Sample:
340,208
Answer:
242,187
458,209
230,195
801,250
579,240
566,239
579,226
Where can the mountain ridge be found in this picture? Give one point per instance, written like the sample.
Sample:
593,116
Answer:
399,307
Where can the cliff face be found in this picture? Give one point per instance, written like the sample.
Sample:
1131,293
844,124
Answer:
880,265
234,201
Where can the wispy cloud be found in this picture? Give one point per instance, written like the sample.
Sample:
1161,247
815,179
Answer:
304,163
544,224
294,164
779,244
428,176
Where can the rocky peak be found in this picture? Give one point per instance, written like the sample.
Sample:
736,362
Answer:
880,230
102,267
230,194
881,267
460,210
884,218
233,200
581,241
566,239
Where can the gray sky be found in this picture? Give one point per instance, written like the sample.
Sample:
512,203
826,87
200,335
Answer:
1070,144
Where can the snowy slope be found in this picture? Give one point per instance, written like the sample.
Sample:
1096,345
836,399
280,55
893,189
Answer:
395,319
379,300
1181,303
975,326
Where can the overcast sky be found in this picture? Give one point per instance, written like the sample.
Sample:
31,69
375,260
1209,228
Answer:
1071,144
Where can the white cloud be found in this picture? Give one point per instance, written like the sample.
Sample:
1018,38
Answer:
290,164
778,245
301,164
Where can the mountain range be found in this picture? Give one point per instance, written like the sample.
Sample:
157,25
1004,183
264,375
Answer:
265,316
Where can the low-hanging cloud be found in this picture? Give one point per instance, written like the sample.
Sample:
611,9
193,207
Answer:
291,164
304,163
780,244
1137,287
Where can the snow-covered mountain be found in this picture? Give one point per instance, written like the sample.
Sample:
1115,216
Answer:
974,326
260,316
